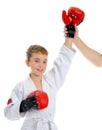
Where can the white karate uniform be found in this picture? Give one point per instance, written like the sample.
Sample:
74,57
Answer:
51,81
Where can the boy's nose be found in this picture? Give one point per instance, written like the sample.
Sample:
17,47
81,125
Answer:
40,65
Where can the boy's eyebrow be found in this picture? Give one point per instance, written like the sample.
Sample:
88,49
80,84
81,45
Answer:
39,59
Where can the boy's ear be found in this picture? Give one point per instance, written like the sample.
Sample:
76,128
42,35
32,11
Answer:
27,62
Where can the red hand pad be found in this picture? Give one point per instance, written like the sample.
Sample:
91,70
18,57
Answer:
41,97
74,16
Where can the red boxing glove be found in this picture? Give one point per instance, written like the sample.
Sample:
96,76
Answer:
74,16
41,98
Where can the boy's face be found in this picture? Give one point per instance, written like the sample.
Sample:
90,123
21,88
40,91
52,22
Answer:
37,63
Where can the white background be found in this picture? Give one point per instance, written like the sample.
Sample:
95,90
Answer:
26,22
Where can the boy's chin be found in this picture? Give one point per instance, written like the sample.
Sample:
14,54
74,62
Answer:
39,75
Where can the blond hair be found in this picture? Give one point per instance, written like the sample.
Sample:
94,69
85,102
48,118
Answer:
35,49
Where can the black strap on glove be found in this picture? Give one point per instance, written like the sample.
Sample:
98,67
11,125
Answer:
29,103
71,30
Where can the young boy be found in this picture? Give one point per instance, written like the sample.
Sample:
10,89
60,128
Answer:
35,97
92,55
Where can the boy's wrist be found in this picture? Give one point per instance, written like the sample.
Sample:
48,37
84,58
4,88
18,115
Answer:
68,42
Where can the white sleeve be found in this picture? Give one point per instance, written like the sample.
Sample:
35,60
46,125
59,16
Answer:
11,111
57,74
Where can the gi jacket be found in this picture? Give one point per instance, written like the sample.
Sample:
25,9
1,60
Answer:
52,80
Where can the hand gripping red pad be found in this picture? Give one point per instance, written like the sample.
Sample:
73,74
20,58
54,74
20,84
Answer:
41,97
74,17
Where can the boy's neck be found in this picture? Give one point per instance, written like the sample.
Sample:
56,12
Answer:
36,77
37,81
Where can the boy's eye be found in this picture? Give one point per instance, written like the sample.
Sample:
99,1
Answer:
36,61
44,61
